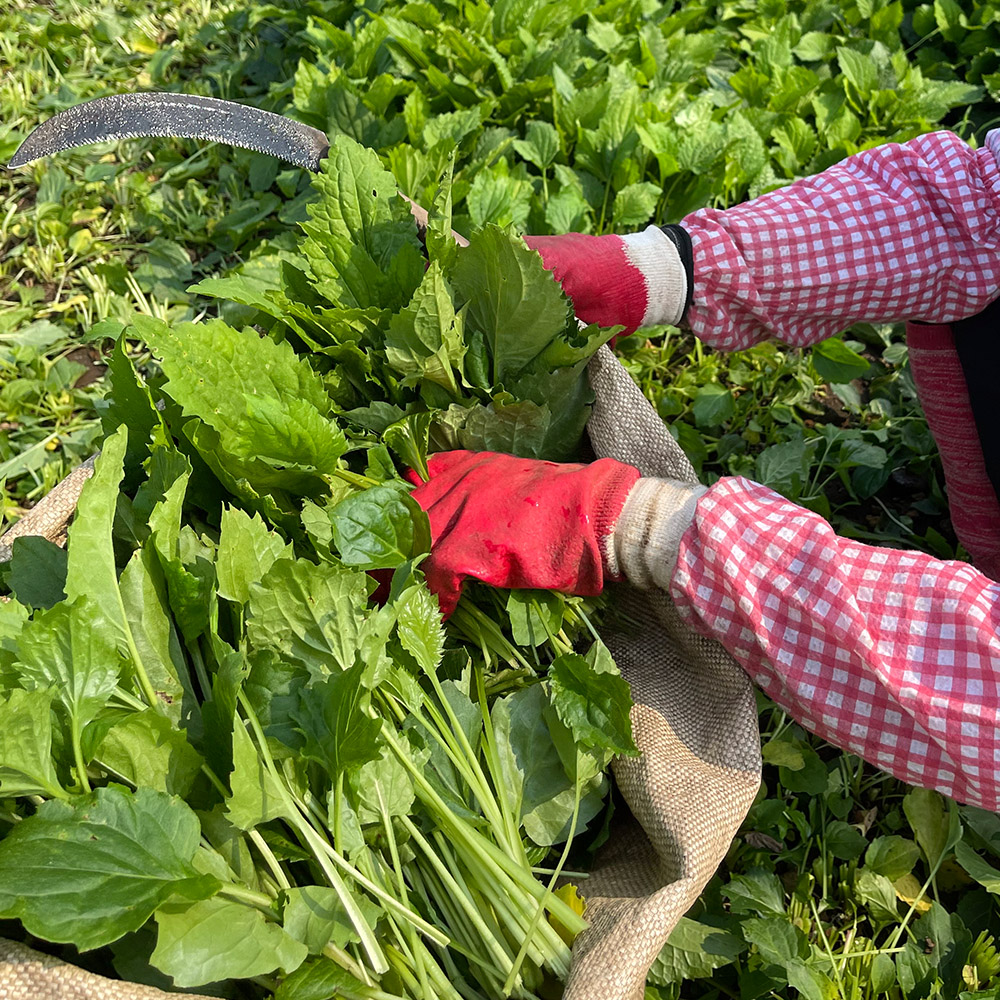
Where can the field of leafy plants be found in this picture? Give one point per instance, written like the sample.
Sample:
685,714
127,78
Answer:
548,117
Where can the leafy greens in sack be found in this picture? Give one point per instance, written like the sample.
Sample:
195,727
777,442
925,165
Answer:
240,765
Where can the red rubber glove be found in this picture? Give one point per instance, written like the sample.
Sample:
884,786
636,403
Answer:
519,522
640,279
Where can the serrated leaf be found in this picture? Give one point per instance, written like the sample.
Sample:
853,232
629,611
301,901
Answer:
418,625
267,406
89,871
540,144
311,615
332,717
425,339
635,203
512,299
693,950
756,891
247,550
593,702
858,69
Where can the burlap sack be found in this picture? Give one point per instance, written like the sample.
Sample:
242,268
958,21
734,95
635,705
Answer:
694,721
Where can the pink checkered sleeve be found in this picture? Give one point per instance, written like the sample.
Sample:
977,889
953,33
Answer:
902,231
892,655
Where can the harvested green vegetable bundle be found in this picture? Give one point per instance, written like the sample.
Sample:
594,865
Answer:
210,733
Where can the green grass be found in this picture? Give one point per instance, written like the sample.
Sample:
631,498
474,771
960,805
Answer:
838,867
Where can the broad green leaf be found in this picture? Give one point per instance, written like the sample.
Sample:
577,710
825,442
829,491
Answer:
836,362
268,407
983,872
783,753
534,615
514,428
533,777
594,702
784,467
319,980
144,597
333,717
946,942
512,299
379,528
877,893
256,797
777,939
499,197
811,983
37,575
358,234
756,891
844,841
892,856
540,144
384,787
89,871
215,939
934,822
147,751
314,915
635,203
312,615
90,569
811,777
425,339
858,69
129,403
883,973
713,405
693,950
247,550
26,766
70,649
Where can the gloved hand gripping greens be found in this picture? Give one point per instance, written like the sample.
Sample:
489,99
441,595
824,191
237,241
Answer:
640,279
522,523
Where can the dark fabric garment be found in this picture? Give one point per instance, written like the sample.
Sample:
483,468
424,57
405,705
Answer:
977,341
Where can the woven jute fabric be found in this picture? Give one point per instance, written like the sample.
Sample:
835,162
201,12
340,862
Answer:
50,517
694,721
26,974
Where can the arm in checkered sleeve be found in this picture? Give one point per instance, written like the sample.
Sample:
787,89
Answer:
892,655
903,231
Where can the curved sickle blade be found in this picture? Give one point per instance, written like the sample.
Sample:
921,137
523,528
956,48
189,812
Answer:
126,116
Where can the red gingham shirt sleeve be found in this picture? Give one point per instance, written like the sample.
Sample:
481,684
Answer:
892,655
902,231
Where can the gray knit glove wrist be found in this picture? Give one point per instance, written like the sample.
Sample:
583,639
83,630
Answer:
645,541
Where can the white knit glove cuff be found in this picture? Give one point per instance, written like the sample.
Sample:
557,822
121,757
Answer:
656,256
644,544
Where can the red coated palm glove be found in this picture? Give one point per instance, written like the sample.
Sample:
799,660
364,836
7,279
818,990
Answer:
519,522
640,279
